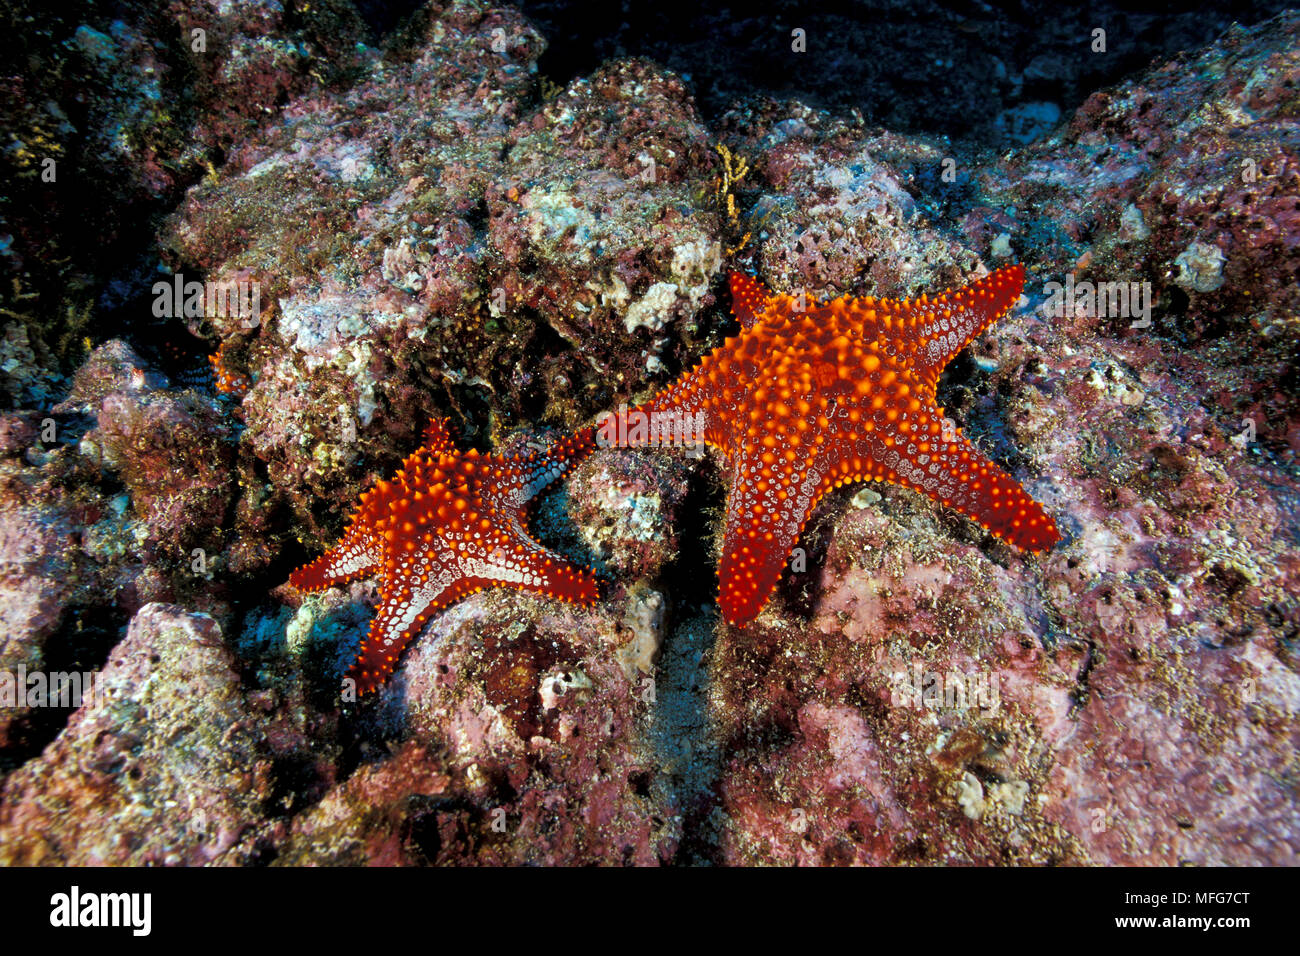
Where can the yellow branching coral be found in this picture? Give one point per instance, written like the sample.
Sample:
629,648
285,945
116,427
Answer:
734,169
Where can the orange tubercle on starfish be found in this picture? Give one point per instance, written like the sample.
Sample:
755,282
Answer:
450,523
226,380
811,396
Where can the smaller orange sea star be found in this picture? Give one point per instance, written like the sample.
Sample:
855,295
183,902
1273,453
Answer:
449,523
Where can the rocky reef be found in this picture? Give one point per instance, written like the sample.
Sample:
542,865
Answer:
434,227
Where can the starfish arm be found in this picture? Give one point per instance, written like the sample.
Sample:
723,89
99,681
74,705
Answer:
437,437
677,417
748,298
554,577
959,476
357,554
401,614
520,562
760,531
941,327
536,470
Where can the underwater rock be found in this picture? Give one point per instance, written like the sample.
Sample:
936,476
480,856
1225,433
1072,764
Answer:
525,743
1179,185
34,593
997,680
163,764
447,232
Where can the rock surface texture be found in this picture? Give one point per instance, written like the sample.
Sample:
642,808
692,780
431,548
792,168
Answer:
435,229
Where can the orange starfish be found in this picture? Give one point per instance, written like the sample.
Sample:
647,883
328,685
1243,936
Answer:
803,401
449,524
